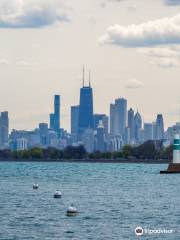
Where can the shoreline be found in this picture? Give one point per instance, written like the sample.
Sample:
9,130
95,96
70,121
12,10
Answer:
130,161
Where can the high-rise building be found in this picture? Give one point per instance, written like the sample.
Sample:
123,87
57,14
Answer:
131,123
118,117
4,129
56,113
114,130
137,126
159,130
148,131
74,123
105,119
85,108
43,131
88,140
55,117
74,119
100,137
22,144
51,121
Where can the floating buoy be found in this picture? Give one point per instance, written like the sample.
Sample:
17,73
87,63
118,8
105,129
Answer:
72,211
57,194
35,186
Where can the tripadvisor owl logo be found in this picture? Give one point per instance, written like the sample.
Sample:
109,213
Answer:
139,231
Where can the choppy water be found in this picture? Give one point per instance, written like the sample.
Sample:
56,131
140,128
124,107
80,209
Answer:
113,199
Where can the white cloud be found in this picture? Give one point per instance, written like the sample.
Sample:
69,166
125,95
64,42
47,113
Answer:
158,32
31,13
165,57
4,61
165,62
133,84
26,63
104,3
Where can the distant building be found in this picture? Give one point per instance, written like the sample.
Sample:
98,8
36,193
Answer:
159,131
127,139
131,123
51,121
55,117
43,131
118,117
4,130
114,129
74,123
100,137
85,109
105,119
88,140
137,126
22,144
115,144
148,131
141,136
171,131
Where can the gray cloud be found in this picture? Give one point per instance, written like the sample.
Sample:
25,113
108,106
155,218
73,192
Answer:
31,13
165,57
133,84
172,2
158,32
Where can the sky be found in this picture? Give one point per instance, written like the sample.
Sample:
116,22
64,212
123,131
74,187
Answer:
131,46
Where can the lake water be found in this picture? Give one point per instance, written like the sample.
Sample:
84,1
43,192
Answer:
113,199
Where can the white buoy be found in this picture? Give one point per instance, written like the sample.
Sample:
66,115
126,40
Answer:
176,149
72,211
57,194
35,186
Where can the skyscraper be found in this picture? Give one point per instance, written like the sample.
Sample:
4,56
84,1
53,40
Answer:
51,120
159,129
56,113
100,143
74,122
114,130
88,140
74,119
137,125
148,131
4,129
55,117
85,108
118,117
105,119
131,122
43,131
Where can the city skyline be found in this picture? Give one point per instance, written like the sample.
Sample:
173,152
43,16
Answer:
59,113
42,52
95,131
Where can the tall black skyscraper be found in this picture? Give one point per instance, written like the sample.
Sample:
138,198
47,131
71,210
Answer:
159,130
57,112
131,122
55,117
85,108
4,129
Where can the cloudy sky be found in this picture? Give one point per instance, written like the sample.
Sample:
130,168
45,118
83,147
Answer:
131,46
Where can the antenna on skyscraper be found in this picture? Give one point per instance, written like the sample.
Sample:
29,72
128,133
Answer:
83,76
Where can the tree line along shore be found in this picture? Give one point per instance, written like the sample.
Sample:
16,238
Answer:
149,150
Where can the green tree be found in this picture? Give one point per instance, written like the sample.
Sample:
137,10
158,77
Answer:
127,151
36,153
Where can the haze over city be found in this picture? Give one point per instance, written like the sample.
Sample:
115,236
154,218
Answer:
45,43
